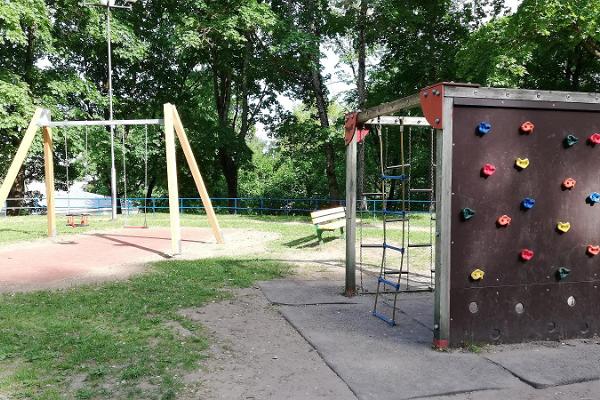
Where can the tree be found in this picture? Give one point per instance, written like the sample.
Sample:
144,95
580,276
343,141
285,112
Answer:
544,45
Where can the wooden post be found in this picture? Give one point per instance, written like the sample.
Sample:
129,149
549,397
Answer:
17,162
351,217
191,160
49,178
443,220
172,180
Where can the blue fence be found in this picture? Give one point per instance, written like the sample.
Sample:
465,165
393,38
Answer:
240,205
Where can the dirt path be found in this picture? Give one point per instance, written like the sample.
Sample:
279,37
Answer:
257,355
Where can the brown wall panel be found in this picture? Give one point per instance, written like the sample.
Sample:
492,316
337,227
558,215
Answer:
479,243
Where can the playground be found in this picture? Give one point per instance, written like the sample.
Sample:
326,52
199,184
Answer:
291,200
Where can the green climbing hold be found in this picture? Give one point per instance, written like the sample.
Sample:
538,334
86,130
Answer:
562,273
467,213
571,141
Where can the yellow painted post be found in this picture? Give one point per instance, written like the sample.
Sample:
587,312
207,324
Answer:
17,162
191,160
49,178
172,180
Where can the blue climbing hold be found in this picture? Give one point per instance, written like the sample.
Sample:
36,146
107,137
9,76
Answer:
467,213
528,203
484,128
594,198
570,141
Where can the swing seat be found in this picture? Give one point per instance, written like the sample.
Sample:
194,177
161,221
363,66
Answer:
83,220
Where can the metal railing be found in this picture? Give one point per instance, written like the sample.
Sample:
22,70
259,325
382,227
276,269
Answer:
239,205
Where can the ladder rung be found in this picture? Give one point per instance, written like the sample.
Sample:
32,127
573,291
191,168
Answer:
391,212
394,177
421,190
382,317
389,283
395,272
396,220
398,166
373,194
421,245
389,246
371,246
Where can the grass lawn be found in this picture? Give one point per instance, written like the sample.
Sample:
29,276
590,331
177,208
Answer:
117,340
115,336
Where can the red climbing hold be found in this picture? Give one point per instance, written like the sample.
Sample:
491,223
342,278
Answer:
593,250
527,254
488,170
527,127
504,220
595,138
569,183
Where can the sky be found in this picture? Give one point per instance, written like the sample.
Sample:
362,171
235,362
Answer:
332,67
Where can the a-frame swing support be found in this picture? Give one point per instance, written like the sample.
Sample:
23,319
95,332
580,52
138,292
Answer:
173,127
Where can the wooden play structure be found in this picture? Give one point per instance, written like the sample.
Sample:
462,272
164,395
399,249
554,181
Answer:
172,128
517,213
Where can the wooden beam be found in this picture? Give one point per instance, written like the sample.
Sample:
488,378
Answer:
191,160
49,178
172,180
17,162
389,108
350,289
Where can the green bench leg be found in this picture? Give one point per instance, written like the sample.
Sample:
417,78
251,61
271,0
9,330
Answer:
319,235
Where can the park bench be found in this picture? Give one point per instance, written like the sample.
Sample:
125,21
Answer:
329,220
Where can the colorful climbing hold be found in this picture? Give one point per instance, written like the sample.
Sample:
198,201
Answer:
477,275
563,227
594,198
562,273
488,170
527,127
522,163
570,141
484,128
527,254
467,213
528,203
593,250
569,183
595,139
504,220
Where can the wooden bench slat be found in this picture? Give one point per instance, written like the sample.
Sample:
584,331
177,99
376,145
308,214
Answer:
328,211
329,218
333,225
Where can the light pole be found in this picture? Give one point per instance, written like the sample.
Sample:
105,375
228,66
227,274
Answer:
110,4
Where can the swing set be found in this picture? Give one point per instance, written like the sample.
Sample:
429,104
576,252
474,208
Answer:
173,127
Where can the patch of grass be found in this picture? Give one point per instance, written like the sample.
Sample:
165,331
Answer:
114,334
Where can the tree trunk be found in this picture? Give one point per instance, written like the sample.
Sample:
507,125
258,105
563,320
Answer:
17,193
230,170
362,54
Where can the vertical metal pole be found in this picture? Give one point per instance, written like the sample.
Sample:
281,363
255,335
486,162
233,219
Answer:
443,246
351,217
113,169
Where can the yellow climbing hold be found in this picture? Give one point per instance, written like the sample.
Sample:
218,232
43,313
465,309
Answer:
563,226
477,275
522,163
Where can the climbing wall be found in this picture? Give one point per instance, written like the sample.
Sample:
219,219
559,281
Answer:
526,224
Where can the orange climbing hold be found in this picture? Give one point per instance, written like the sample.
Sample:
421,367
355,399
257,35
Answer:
527,127
504,220
569,183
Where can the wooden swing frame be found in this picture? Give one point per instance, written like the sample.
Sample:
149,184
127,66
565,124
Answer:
172,127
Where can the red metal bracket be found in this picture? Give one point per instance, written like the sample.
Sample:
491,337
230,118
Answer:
432,103
352,128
